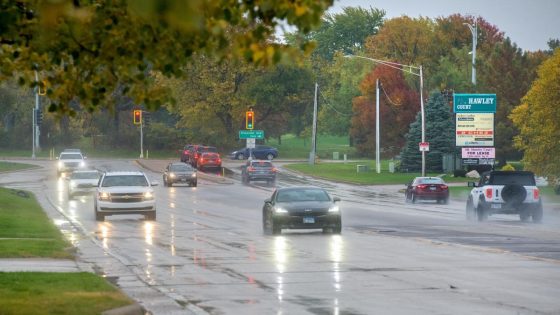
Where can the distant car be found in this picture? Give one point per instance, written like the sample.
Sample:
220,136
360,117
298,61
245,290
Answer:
208,160
427,188
125,193
187,151
261,152
197,152
72,150
82,182
178,173
301,208
70,161
258,170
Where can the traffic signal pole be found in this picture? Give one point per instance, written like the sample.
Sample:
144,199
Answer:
141,138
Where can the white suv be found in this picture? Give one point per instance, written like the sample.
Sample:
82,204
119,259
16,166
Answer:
70,161
125,193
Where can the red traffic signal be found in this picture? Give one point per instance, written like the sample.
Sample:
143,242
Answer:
137,117
249,120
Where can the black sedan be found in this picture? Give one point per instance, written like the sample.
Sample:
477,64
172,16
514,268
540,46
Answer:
301,208
427,188
261,152
179,172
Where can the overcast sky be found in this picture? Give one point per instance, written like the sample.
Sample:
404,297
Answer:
529,23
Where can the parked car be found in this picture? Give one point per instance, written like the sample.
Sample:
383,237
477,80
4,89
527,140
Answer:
187,152
261,152
179,172
301,208
258,170
82,182
427,188
208,160
69,162
197,152
125,193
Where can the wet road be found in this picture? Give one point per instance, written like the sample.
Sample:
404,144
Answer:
206,253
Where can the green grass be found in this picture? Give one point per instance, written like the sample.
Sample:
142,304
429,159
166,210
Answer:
9,166
57,293
26,231
293,147
346,172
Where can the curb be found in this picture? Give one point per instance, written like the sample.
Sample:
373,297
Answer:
133,309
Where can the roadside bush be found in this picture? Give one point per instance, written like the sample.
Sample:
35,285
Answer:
508,167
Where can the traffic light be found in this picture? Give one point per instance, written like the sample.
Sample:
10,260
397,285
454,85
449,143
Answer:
249,120
146,117
137,116
38,117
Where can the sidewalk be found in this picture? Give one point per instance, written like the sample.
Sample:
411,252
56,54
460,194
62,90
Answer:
41,265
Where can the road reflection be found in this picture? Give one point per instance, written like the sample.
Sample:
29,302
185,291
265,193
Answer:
281,257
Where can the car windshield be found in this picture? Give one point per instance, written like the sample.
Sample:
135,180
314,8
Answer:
124,180
261,164
84,175
71,156
180,168
434,180
295,195
513,179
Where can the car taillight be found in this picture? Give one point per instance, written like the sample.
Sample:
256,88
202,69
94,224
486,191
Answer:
250,169
219,160
444,187
185,152
274,170
536,193
422,186
489,193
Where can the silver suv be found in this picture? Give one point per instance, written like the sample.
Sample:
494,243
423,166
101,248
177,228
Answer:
505,192
125,193
69,162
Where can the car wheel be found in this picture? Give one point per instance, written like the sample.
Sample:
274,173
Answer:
276,230
481,213
194,184
414,199
538,213
150,216
270,156
70,196
338,228
445,201
470,212
240,156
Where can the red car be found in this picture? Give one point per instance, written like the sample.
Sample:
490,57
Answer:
208,160
427,188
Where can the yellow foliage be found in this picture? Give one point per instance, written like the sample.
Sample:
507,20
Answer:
508,167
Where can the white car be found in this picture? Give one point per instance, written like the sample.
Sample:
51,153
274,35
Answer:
70,161
82,182
125,193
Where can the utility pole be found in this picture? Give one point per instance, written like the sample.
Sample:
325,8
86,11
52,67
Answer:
314,130
141,138
377,158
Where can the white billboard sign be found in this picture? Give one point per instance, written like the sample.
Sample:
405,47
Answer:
474,130
478,153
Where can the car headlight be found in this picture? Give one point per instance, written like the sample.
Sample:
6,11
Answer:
148,195
104,196
193,175
172,175
72,185
334,209
279,210
82,164
60,164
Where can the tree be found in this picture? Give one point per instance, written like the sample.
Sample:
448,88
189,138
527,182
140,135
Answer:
84,50
537,120
344,32
439,133
397,107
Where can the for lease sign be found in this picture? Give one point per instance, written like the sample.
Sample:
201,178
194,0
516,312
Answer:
474,130
478,153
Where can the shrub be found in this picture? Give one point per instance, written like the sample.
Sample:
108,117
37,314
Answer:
508,167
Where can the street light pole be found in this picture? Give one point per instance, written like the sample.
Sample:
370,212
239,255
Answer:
474,32
399,66
377,158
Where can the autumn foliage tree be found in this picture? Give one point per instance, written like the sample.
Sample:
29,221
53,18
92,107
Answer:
537,120
397,107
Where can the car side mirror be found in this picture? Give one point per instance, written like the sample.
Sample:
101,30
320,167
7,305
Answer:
85,157
154,183
336,199
472,184
267,201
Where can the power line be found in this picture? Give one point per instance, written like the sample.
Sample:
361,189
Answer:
387,95
332,107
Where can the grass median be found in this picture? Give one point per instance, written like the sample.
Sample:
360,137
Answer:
27,232
10,166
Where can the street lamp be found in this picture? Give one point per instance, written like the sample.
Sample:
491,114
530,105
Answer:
473,29
412,70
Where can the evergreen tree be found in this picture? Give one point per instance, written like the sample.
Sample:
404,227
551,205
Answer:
439,133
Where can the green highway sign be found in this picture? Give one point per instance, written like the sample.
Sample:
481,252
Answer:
251,134
474,103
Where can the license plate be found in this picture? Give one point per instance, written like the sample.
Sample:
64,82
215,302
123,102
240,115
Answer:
432,188
183,179
496,206
308,220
